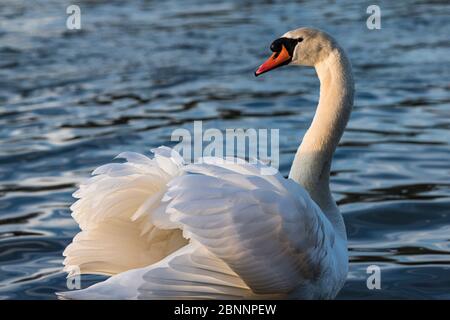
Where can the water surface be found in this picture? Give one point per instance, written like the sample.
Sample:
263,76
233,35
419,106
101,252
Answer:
72,100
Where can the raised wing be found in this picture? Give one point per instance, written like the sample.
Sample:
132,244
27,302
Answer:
251,235
115,211
264,227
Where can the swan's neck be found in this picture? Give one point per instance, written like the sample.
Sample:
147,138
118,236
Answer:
312,163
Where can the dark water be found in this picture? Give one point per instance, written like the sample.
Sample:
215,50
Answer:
72,100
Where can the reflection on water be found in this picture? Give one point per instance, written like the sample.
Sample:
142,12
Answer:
70,101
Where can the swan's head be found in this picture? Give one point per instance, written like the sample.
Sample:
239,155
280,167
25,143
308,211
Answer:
303,46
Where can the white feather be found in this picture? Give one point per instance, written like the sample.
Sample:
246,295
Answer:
265,235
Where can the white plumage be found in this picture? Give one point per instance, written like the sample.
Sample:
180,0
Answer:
244,230
218,229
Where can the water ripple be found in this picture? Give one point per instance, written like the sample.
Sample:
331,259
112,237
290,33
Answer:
71,101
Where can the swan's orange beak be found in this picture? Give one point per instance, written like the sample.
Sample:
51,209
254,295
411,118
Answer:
276,60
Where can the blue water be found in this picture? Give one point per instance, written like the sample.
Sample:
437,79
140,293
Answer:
72,100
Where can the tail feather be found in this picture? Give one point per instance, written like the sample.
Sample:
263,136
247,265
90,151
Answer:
189,273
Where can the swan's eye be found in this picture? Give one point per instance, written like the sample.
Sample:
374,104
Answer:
299,39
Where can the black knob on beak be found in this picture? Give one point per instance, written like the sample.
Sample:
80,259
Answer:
288,43
276,46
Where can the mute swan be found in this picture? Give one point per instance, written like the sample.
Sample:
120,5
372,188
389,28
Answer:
221,230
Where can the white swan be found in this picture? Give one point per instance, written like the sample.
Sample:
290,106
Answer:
166,230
